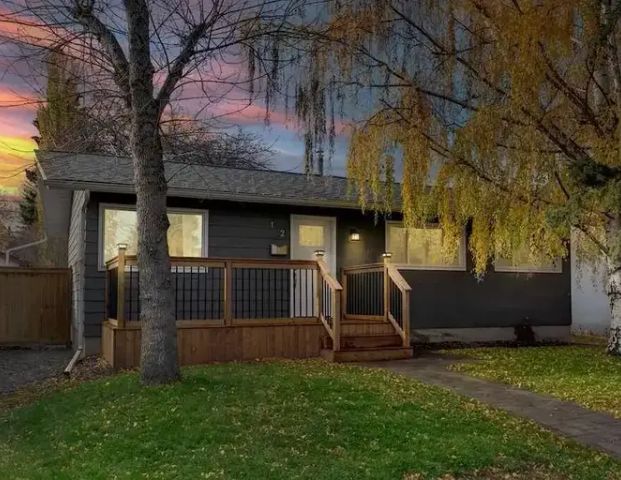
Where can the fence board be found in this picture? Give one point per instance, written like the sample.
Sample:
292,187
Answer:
35,306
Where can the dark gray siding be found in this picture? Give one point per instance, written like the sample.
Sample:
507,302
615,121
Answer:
446,299
246,232
94,308
75,261
368,249
440,299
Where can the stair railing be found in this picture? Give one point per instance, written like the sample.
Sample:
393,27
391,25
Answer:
397,301
328,302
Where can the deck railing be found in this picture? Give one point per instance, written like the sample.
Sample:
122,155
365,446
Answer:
231,291
378,292
397,300
329,303
364,292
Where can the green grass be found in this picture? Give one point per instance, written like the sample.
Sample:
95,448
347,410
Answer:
278,420
582,374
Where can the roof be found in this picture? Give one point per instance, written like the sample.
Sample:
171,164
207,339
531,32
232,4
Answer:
101,173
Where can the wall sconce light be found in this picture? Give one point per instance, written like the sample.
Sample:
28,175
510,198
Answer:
121,246
354,235
386,255
320,253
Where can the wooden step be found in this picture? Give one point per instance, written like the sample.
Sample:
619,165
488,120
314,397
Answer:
367,328
367,354
352,342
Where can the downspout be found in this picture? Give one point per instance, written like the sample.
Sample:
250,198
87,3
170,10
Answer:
21,247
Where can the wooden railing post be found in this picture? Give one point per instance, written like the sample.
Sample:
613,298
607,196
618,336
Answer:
386,288
228,293
120,285
336,319
318,292
344,293
336,291
406,317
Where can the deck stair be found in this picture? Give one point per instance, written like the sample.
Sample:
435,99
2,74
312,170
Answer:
358,345
367,316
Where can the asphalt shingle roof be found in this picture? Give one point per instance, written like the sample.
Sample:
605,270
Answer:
115,174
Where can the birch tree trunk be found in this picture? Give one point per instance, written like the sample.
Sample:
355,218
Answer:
158,357
614,284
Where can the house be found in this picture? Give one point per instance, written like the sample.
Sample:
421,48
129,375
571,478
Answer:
271,263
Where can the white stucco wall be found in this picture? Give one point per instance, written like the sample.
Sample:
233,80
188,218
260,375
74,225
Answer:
589,303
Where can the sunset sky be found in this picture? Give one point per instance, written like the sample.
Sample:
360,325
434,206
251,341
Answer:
19,96
16,129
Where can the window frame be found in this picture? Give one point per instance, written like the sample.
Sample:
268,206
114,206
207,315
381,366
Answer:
557,268
101,264
460,267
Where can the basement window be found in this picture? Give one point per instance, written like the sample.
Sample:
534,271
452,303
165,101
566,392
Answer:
187,234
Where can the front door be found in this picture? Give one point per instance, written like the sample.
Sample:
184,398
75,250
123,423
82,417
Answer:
309,234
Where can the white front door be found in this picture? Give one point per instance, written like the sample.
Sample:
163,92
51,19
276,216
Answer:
309,234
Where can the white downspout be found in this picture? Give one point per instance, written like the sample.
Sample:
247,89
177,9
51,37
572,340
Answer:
21,247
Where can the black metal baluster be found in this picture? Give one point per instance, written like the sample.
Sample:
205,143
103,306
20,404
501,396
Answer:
262,292
138,292
176,292
129,313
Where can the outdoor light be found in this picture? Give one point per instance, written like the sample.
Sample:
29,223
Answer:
354,235
121,246
320,253
386,255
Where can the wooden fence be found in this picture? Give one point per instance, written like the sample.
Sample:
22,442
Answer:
35,306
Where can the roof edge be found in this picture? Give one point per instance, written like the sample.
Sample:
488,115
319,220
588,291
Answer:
192,193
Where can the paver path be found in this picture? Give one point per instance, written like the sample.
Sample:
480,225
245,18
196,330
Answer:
587,427
19,368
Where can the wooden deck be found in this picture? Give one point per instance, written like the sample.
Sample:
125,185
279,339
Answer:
244,309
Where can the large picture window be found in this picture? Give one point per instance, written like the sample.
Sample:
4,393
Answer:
421,248
186,236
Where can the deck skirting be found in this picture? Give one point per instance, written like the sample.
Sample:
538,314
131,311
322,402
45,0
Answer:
198,344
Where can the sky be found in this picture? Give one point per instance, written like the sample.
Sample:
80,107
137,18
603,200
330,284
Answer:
19,100
16,129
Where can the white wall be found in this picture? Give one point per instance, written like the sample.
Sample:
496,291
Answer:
589,303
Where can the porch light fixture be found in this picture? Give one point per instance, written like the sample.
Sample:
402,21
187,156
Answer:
320,253
354,235
386,255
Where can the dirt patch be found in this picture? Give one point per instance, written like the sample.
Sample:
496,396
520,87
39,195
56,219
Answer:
22,367
90,368
533,473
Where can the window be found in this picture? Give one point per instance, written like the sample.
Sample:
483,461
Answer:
186,235
521,261
421,248
311,235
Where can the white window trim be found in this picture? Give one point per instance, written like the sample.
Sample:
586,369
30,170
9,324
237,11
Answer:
123,206
557,268
461,267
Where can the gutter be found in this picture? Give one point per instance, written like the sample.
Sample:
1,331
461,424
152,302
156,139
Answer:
21,247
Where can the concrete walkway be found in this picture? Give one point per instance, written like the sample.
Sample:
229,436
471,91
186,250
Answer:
596,430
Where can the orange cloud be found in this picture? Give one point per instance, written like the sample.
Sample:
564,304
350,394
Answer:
15,154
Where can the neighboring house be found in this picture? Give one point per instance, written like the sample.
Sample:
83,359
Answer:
279,219
590,306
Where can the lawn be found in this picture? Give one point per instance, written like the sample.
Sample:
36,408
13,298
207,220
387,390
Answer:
279,420
582,374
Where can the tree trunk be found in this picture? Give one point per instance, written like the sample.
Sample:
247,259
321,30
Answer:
613,234
158,356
